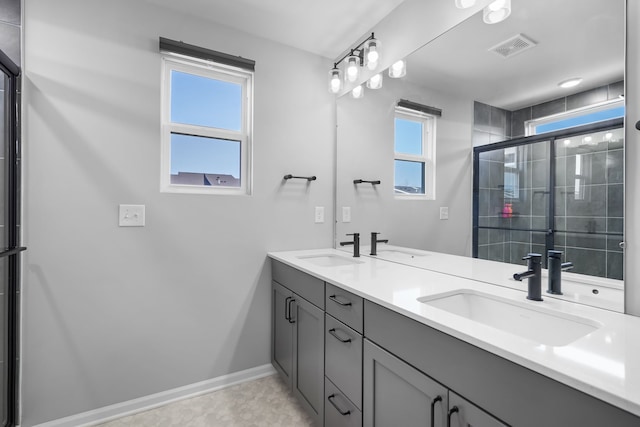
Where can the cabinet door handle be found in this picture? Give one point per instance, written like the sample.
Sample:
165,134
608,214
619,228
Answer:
287,315
343,413
289,310
451,412
332,331
335,299
433,409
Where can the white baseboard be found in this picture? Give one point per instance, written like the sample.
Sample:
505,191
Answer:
130,407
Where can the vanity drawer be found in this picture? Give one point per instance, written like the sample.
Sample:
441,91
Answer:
343,358
308,287
344,306
339,411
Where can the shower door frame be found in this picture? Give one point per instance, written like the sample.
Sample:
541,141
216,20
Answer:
527,140
13,249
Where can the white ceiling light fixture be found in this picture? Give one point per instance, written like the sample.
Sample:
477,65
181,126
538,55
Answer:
372,53
465,4
496,12
398,69
375,82
335,79
353,68
572,82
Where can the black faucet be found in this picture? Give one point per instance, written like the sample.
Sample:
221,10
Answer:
375,241
556,267
533,273
355,243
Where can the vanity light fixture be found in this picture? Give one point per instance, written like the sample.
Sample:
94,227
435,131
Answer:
398,69
575,81
366,53
465,4
357,92
375,82
497,11
335,79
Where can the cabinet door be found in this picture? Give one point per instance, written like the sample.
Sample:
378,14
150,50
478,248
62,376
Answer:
282,332
463,413
308,357
396,394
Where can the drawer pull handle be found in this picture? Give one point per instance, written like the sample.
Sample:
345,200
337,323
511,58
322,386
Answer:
343,413
451,412
287,315
433,410
332,331
289,310
337,301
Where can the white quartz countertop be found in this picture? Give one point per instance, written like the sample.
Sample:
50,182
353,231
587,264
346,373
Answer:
605,363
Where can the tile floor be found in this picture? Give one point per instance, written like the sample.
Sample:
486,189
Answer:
262,402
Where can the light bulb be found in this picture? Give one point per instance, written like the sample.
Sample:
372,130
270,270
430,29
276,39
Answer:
357,92
352,68
335,82
398,69
465,4
497,11
372,53
375,82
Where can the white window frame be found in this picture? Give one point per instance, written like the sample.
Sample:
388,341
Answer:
428,156
213,70
531,125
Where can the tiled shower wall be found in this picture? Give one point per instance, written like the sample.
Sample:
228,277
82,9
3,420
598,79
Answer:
579,220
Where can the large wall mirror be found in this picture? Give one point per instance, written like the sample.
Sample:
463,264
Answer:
492,83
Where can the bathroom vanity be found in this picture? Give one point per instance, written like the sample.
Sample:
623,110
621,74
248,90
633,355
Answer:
366,342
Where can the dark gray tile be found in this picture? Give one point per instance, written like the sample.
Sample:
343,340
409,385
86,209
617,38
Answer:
540,151
538,249
548,108
586,224
483,237
613,243
560,223
498,121
590,202
539,223
497,236
615,167
10,11
586,98
539,201
586,241
561,195
496,252
616,89
484,202
615,265
497,138
522,205
538,238
561,171
484,221
496,202
517,251
493,155
616,144
522,221
591,262
560,241
615,225
540,174
481,116
484,167
483,252
518,118
518,236
598,169
496,175
615,200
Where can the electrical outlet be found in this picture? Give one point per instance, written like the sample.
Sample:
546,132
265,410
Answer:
131,216
444,212
319,214
346,214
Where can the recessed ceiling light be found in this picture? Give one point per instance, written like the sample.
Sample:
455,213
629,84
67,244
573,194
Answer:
570,83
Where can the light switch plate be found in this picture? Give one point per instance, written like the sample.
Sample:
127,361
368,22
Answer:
444,212
346,214
319,214
131,216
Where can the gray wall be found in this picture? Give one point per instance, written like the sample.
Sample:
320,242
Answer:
112,314
366,150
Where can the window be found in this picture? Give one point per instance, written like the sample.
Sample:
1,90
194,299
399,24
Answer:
414,159
206,127
578,117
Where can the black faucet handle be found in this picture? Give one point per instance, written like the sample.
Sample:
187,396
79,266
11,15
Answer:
353,234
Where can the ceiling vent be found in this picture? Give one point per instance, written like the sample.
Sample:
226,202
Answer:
513,46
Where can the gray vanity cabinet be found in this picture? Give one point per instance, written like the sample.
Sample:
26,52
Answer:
463,413
396,394
298,337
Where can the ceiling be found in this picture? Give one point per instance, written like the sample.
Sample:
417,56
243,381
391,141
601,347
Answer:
575,38
325,28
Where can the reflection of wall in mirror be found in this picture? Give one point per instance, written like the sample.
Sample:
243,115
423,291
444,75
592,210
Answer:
366,151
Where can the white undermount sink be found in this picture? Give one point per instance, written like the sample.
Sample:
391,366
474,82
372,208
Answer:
539,324
329,260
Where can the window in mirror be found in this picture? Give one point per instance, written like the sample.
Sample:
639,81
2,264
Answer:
582,116
414,158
